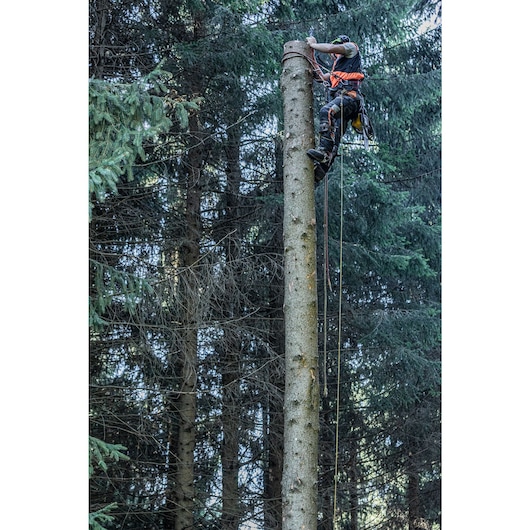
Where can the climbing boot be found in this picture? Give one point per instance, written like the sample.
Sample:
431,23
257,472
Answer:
323,153
319,156
320,171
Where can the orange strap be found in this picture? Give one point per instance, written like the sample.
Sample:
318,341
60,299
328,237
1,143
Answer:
337,77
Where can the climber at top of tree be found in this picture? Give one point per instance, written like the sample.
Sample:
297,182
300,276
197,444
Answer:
344,97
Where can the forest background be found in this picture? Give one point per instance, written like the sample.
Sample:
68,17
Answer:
58,446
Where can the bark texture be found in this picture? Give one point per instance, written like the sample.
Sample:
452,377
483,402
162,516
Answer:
187,399
301,403
231,404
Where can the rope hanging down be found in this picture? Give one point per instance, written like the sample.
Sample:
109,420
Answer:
339,336
339,325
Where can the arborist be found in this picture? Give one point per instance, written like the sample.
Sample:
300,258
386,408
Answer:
344,101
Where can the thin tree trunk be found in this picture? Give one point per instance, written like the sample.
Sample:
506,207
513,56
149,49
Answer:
230,447
273,473
301,404
187,397
230,359
274,431
413,500
354,487
273,443
327,464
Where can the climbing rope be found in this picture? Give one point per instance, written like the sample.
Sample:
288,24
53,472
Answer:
339,330
326,276
317,68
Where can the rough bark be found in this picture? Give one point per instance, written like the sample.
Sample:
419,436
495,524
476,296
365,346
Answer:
413,501
274,434
273,443
353,487
229,451
231,404
301,403
327,463
273,473
187,397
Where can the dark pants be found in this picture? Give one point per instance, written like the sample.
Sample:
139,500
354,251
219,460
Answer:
334,119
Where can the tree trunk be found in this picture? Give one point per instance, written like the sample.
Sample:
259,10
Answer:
413,500
353,487
187,397
273,432
273,472
230,447
301,403
327,463
273,443
230,358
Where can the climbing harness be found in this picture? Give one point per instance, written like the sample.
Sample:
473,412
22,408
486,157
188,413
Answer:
362,125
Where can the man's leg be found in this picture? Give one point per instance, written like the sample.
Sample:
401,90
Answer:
348,109
323,153
334,118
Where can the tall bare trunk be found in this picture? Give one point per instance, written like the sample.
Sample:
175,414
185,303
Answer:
273,443
299,483
327,463
354,488
231,405
273,472
230,446
413,500
274,418
186,403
